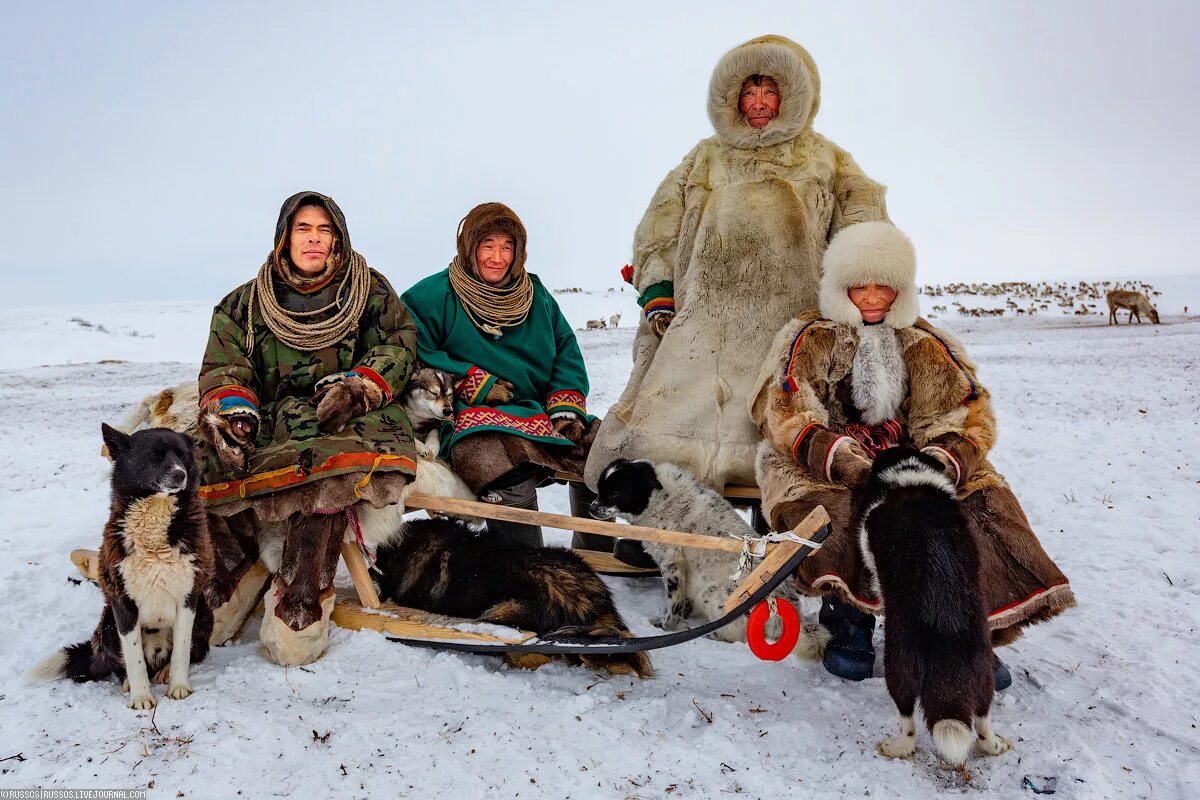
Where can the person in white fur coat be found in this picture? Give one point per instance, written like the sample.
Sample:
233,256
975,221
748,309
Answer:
728,251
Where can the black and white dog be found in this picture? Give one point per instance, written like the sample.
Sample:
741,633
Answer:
697,581
156,562
915,541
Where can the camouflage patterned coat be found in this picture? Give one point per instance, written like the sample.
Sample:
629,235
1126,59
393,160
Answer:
292,464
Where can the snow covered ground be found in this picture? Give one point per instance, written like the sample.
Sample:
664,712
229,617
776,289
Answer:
1099,436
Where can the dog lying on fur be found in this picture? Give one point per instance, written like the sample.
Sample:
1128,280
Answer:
442,566
428,401
156,562
915,541
697,581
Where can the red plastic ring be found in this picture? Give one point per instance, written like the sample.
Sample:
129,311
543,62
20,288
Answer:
756,635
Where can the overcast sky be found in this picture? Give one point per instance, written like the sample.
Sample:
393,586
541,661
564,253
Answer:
145,148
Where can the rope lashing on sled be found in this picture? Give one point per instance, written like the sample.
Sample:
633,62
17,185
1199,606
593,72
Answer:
756,547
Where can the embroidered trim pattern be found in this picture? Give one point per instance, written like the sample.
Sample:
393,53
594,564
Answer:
231,399
566,400
482,416
473,386
659,298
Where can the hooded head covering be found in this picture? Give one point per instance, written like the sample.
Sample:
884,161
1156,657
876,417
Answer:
869,252
491,307
793,70
488,219
312,329
283,227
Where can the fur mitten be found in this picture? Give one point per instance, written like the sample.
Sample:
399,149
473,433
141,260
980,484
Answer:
660,321
570,427
341,397
500,394
230,432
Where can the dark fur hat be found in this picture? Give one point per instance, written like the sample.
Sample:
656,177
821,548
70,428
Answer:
491,218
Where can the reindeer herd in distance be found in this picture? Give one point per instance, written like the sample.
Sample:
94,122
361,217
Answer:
1021,299
1080,300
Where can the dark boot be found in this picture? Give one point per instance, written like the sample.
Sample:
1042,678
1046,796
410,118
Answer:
520,495
850,653
631,552
581,501
1002,675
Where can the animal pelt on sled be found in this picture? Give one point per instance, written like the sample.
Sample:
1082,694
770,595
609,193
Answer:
697,581
156,567
915,541
443,566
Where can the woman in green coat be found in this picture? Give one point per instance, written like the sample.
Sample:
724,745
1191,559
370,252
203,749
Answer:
521,402
296,413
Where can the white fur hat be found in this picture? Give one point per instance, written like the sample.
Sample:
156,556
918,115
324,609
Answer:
869,252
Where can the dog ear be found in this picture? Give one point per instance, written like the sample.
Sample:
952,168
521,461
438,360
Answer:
116,441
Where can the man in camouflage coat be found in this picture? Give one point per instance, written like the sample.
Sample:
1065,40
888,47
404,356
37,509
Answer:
296,412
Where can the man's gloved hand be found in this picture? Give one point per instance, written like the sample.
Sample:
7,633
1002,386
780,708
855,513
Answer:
341,398
660,322
500,394
231,435
569,427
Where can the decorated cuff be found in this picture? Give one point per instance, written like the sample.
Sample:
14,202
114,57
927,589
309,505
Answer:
475,386
659,298
566,403
366,373
231,400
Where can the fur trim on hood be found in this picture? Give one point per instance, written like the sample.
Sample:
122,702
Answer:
799,87
869,252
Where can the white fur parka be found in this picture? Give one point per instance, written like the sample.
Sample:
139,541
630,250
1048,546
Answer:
735,235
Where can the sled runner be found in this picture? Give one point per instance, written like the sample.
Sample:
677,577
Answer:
414,627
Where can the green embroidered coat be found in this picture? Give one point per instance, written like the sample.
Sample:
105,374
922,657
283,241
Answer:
540,357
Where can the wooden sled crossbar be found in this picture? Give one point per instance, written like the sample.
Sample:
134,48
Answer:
473,508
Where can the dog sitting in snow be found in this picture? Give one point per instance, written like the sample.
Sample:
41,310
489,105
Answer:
156,561
428,401
443,566
697,581
915,541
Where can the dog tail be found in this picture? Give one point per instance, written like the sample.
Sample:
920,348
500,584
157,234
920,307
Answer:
952,738
73,661
620,664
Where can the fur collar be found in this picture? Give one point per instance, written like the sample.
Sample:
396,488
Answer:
869,252
799,86
879,379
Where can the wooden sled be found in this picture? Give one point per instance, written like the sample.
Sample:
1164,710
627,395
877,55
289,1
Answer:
363,608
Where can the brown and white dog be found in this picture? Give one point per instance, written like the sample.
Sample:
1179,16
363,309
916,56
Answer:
428,401
156,562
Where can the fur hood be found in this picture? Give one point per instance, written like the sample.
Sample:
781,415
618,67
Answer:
799,86
869,252
492,218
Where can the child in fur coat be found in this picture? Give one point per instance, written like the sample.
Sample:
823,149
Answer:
859,375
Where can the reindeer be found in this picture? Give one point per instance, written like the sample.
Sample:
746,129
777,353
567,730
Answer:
596,324
614,321
1136,302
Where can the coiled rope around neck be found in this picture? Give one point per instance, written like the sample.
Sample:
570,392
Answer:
294,328
492,308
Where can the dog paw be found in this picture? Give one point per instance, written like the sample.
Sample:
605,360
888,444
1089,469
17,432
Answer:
163,676
897,746
143,702
993,746
423,450
179,692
